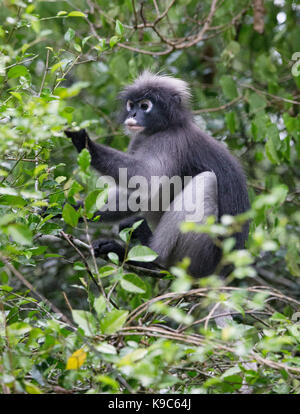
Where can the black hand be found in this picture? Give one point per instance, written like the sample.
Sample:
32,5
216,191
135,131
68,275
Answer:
105,246
80,138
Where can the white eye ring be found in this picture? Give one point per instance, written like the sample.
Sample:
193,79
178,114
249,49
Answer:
129,105
146,105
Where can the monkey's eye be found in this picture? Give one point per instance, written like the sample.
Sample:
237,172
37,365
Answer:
145,105
129,105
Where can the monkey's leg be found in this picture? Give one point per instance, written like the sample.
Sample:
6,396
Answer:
197,201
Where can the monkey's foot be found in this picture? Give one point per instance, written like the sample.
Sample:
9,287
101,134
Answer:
142,233
105,246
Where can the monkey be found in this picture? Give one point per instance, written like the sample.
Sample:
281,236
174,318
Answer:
166,142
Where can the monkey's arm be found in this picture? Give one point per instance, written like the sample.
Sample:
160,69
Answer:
107,160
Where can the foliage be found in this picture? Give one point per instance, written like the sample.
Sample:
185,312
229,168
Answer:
73,324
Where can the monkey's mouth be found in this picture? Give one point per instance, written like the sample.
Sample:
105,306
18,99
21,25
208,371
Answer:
132,125
135,127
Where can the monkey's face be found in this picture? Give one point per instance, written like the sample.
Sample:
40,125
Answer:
151,109
141,115
137,118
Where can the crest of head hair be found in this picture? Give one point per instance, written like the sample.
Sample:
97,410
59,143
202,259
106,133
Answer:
175,85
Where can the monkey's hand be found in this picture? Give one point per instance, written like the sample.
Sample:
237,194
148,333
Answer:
80,138
105,246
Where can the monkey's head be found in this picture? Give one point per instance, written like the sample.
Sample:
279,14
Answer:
154,103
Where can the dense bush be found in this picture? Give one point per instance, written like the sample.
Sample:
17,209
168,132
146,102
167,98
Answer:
70,323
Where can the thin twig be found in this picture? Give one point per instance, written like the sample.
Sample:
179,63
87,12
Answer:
219,108
69,239
33,290
279,98
94,259
45,72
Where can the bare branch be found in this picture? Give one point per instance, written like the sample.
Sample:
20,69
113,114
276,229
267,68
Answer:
219,108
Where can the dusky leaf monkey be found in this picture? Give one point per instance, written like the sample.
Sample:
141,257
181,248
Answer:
166,142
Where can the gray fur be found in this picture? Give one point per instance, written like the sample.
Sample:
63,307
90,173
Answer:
166,142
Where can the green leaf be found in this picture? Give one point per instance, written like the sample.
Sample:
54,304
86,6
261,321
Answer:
141,254
69,35
20,233
77,47
79,266
56,66
17,95
86,321
113,321
113,257
228,86
293,258
17,71
273,134
84,159
90,203
70,215
101,45
7,218
233,48
102,198
18,328
257,103
231,122
137,224
106,348
100,305
85,40
132,283
76,13
271,152
125,235
113,41
107,270
119,28
60,179
12,200
106,380
31,388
